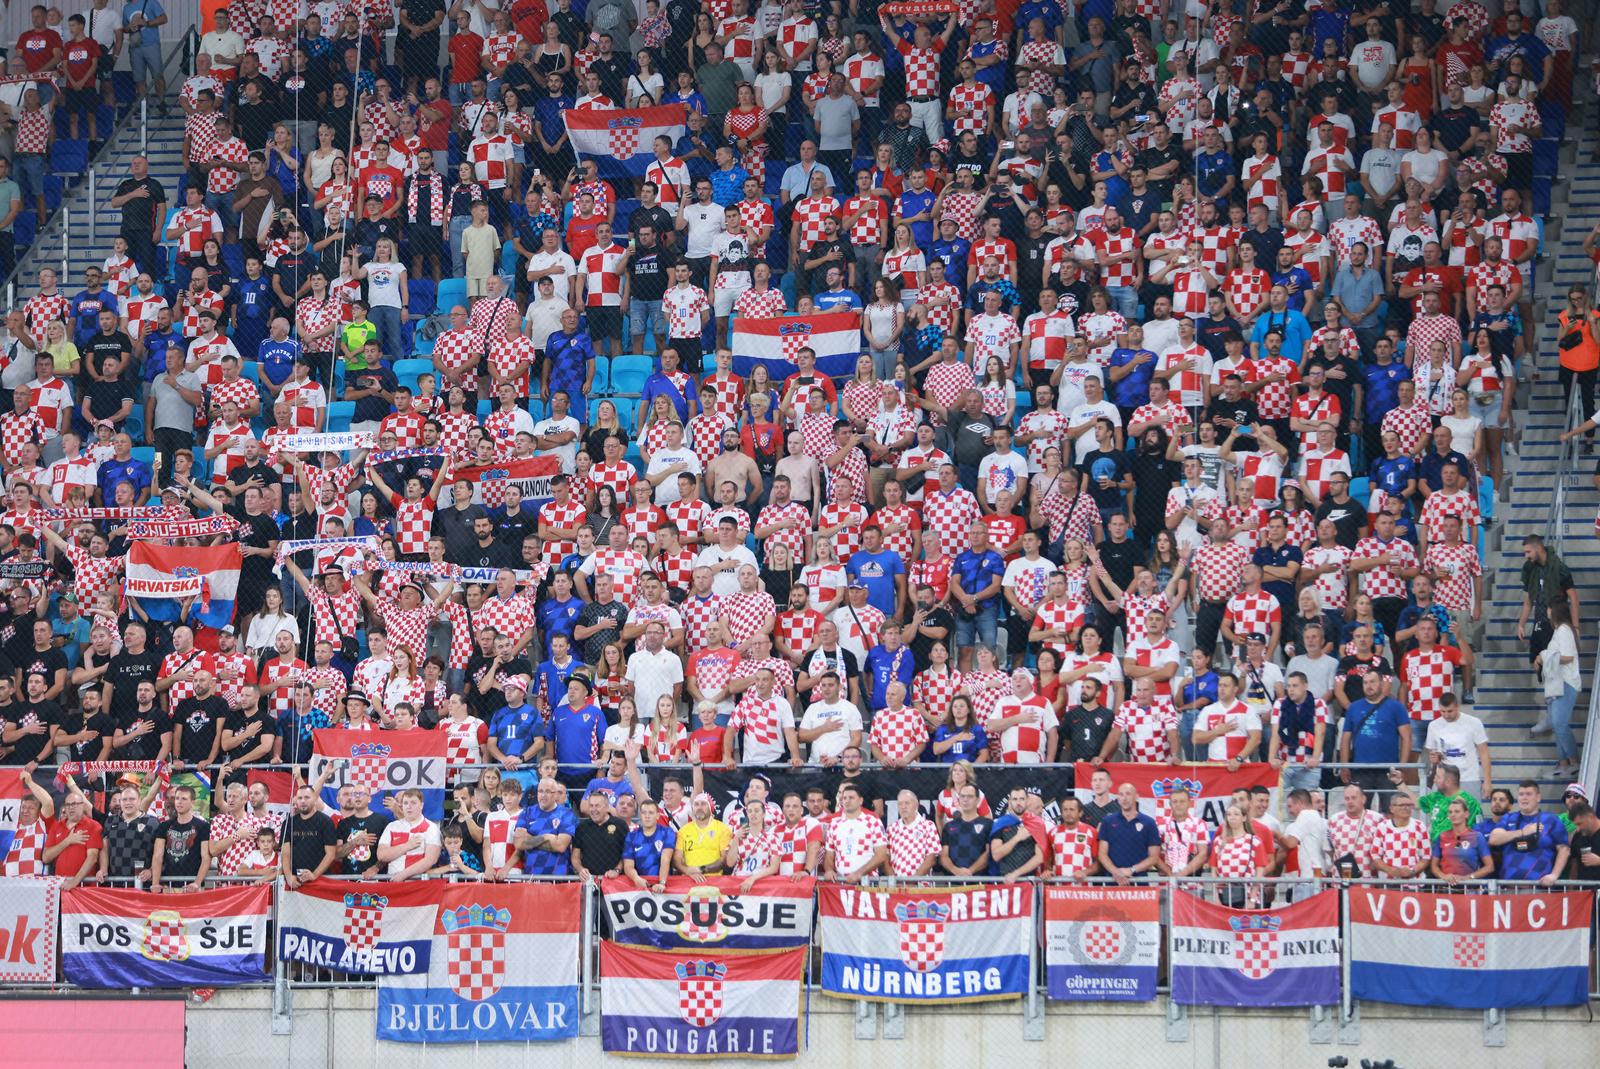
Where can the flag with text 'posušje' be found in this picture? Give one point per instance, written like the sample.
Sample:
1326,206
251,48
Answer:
773,914
700,1003
371,928
503,969
1267,957
1475,951
621,140
957,944
120,938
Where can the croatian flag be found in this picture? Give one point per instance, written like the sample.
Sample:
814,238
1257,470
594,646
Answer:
120,938
379,928
700,1004
160,577
384,762
1489,951
1102,943
11,793
530,475
1273,957
503,968
621,142
834,336
1210,786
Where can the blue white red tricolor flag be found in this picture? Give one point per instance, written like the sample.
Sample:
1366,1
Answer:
1272,957
775,913
503,968
119,938
621,141
834,336
1488,951
1210,787
376,928
11,794
694,1004
383,762
161,577
963,944
530,475
1102,943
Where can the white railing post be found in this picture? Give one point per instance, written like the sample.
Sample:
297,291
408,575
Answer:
66,233
144,125
94,207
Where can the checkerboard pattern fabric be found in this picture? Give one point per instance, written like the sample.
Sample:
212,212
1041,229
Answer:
1182,840
1073,849
1428,675
1356,836
922,69
1333,587
1217,568
744,612
1410,425
1470,951
1109,244
27,851
910,845
849,519
1461,564
809,213
952,515
1385,581
1145,730
1462,504
1402,848
797,630
898,734
793,537
476,965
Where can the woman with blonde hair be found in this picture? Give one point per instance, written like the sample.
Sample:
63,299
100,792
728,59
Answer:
1238,853
960,775
626,730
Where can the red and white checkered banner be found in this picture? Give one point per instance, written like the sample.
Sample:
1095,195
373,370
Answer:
210,938
1258,957
503,968
30,907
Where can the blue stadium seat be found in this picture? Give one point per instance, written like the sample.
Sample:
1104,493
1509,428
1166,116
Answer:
25,228
54,187
1359,489
250,371
452,291
146,453
69,157
340,413
602,376
134,424
406,371
485,406
233,257
628,374
537,409
422,293
1546,157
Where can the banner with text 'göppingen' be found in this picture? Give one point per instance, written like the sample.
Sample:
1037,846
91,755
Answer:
503,969
963,944
774,914
1102,943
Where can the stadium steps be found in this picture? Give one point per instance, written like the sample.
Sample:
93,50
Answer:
1509,700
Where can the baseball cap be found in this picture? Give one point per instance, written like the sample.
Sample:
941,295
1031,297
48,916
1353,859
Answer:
229,630
1257,637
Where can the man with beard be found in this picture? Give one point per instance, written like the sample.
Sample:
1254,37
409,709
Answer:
308,840
30,727
180,848
196,723
358,832
247,736
134,665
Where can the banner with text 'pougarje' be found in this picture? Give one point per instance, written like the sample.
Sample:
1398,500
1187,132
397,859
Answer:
503,969
958,944
1491,951
370,928
1102,943
1255,957
775,913
701,1003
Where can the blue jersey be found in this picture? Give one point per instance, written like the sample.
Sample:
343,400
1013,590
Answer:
550,679
1391,476
828,300
277,359
577,734
914,203
1380,388
611,788
157,343
558,617
86,309
645,850
883,668
570,356
537,822
253,299
967,750
1133,389
514,729
954,254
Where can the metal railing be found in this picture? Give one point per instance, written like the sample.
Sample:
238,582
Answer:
1566,465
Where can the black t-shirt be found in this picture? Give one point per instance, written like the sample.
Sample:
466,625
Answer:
1086,730
201,718
137,214
185,844
649,270
614,613
31,747
72,722
263,531
1243,411
1153,475
864,780
1347,520
238,720
1352,669
601,844
485,705
46,662
360,859
309,839
102,347
1031,258
1113,465
419,12
125,672
1022,853
1581,841
1154,157
922,645
1119,559
146,746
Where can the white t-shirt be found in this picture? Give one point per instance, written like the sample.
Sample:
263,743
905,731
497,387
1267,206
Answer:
726,582
383,284
563,278
419,836
846,718
1458,743
1008,472
1090,413
704,223
660,460
568,453
1310,830
652,675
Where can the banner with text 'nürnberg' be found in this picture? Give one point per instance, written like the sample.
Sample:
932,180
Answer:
1102,943
775,913
1491,951
1256,957
960,944
211,938
701,1003
503,969
376,928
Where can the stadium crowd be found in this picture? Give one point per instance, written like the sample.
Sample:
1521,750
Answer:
1189,345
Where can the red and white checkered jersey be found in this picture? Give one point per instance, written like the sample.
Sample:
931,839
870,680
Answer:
670,176
871,226
1305,745
683,305
1188,386
794,841
1506,114
761,723
1074,849
1025,743
221,179
201,129
490,156
1412,426
1461,563
690,518
602,277
810,212
1356,836
931,691
1216,247
745,611
1318,467
952,515
922,69
1046,334
1428,675
853,840
898,734
1146,732
1332,588
568,516
797,629
1460,503
1146,654
1346,232
911,845
1109,244
1385,581
1217,569
1402,848
1324,163
793,537
624,566
1183,841
864,72
849,519
992,335
27,851
1263,181
1240,858
1247,288
969,108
